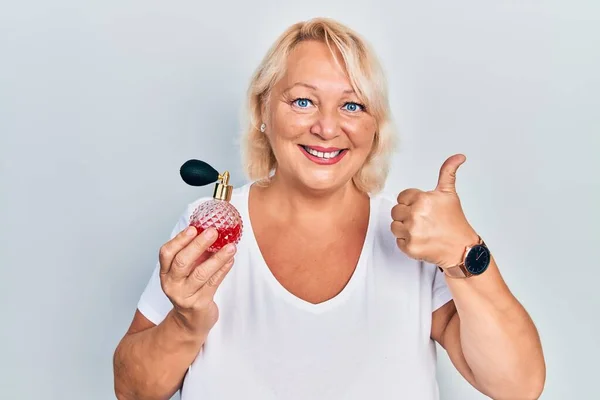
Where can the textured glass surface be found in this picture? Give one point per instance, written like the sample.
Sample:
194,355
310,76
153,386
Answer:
221,215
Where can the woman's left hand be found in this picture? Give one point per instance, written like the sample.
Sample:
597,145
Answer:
431,226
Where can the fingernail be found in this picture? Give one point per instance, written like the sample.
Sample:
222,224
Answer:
190,231
229,248
210,233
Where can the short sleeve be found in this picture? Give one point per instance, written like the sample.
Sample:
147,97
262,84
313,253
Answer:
440,293
153,303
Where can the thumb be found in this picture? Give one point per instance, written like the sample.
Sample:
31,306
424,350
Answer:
447,178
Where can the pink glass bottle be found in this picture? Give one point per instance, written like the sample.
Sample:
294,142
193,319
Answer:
218,212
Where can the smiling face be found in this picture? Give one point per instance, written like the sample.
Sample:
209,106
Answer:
319,131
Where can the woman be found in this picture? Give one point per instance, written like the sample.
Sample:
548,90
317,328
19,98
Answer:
336,291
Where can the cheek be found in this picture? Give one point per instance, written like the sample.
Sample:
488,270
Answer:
287,124
361,133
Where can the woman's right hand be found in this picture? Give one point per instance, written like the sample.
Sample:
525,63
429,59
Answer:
190,276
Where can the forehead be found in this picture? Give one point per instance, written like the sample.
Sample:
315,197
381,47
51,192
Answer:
312,62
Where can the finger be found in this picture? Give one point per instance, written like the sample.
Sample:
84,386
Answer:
202,273
402,244
170,249
402,236
447,176
401,212
400,231
217,278
203,257
408,196
185,261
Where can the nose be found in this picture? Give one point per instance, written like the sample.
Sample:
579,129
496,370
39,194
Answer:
326,125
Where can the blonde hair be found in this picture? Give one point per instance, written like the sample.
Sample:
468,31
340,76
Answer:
367,80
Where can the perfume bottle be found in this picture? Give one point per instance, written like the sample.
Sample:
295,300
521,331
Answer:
217,212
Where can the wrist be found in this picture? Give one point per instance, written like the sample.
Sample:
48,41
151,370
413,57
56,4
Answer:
180,333
459,249
475,259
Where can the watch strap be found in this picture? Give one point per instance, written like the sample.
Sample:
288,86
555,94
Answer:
457,271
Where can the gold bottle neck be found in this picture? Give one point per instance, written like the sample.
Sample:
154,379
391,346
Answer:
223,190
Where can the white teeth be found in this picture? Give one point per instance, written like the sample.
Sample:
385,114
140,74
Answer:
321,154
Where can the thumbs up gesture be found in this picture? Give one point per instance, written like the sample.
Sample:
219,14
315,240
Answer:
431,226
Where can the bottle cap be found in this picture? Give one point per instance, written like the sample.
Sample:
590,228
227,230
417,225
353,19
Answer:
200,173
223,189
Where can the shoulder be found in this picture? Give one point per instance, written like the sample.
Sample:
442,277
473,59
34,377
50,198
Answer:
383,203
381,220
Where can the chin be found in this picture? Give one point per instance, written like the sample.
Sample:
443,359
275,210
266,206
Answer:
322,181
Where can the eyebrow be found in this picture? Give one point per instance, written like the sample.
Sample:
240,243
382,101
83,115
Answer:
347,91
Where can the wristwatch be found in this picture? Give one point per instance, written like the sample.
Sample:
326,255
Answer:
476,259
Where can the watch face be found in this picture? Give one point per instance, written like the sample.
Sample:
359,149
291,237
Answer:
477,260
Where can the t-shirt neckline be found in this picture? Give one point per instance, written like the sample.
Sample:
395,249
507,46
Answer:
279,289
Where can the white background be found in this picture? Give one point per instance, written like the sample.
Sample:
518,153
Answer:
101,102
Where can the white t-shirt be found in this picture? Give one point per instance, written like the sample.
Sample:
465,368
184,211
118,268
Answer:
371,341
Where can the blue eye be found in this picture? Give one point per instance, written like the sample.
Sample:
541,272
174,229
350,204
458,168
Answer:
302,103
353,107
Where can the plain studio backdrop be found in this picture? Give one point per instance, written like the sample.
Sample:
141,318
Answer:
101,102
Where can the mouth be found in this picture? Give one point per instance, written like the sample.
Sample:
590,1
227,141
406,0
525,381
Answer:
323,156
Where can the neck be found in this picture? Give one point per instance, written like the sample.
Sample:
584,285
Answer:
291,200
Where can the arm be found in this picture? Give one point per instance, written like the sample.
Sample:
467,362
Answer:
490,338
151,360
487,333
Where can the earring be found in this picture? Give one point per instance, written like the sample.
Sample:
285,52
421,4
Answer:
263,127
